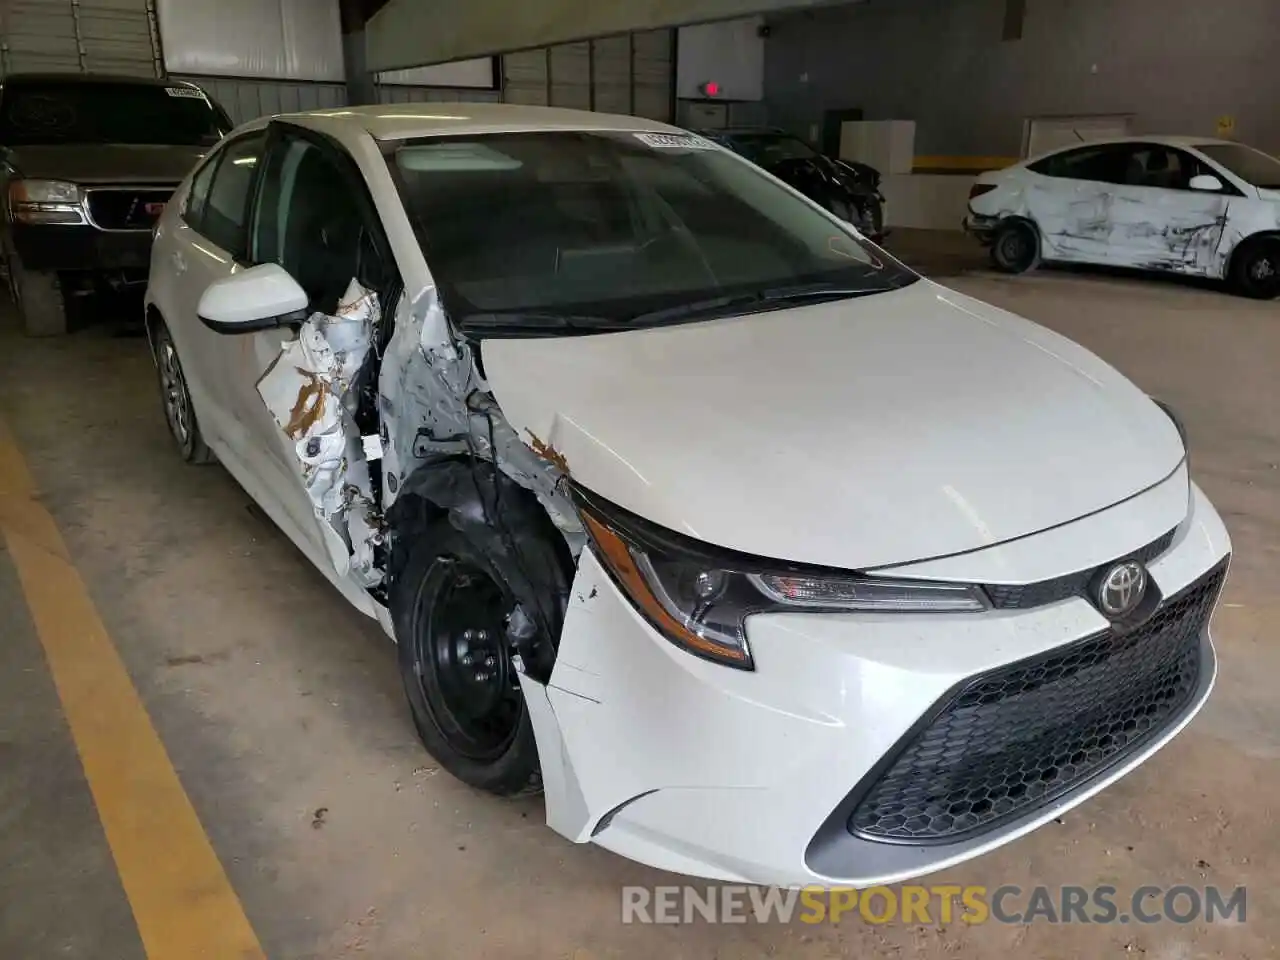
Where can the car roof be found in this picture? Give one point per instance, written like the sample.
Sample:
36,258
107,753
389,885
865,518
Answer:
404,121
20,79
1158,139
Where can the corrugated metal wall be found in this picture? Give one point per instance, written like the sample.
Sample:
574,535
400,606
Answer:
393,93
245,99
98,36
630,74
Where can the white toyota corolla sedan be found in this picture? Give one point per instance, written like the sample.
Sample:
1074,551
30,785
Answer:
765,558
1185,205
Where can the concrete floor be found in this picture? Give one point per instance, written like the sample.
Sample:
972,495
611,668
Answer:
275,701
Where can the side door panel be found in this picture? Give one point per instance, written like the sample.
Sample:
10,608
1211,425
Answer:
1072,199
1161,223
306,218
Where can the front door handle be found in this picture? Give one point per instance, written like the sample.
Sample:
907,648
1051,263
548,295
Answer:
179,261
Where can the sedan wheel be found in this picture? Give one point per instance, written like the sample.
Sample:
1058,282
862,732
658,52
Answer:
1255,269
1015,247
176,399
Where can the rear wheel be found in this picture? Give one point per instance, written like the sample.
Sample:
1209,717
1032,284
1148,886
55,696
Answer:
179,412
452,605
1015,247
39,299
1255,269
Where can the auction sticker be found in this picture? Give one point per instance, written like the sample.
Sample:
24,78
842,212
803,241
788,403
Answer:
190,93
674,141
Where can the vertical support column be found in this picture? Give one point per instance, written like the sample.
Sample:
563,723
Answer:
362,85
75,24
157,49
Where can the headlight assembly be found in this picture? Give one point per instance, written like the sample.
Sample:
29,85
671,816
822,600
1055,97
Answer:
699,597
45,201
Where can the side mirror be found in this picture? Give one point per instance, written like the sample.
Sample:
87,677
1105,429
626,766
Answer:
1206,182
258,298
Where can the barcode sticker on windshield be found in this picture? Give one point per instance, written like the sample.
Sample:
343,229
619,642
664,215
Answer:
189,92
674,141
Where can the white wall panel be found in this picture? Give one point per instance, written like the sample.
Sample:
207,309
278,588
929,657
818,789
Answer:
472,74
102,36
246,100
729,53
269,39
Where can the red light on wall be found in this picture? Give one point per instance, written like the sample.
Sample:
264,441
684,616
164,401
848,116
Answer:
710,89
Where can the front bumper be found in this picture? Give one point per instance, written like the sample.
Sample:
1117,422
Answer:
81,247
751,777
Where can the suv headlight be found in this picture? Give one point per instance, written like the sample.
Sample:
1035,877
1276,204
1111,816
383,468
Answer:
699,596
45,201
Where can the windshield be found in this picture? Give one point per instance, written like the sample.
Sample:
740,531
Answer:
767,149
93,112
616,230
1250,165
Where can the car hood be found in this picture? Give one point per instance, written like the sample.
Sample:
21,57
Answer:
107,163
858,433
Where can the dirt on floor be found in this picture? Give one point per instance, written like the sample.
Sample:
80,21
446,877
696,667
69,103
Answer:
282,712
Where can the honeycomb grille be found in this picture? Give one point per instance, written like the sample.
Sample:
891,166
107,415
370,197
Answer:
1022,736
1025,596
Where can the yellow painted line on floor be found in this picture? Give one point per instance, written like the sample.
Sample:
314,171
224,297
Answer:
182,902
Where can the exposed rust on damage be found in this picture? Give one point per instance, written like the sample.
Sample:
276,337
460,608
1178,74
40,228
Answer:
547,452
308,408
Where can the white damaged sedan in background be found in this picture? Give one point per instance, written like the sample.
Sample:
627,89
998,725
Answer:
1184,205
765,558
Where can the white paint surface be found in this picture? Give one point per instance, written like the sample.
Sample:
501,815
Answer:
872,431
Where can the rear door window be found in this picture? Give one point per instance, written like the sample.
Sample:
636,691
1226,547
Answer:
1102,163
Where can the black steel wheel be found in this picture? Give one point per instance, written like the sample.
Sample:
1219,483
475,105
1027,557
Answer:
1015,247
463,661
454,603
1255,269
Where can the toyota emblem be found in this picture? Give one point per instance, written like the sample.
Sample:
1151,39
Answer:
1122,589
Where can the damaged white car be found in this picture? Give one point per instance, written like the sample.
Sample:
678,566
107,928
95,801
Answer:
765,558
1186,205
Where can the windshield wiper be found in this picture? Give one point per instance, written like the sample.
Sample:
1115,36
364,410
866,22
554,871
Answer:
535,323
768,298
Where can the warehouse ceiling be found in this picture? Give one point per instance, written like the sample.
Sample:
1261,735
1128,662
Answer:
412,33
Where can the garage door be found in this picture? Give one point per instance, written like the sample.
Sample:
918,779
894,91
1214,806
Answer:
629,74
98,36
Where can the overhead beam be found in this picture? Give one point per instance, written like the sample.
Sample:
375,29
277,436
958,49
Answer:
415,33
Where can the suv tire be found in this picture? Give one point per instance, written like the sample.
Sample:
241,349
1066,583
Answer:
38,297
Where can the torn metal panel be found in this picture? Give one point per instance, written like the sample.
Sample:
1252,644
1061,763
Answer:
308,390
433,403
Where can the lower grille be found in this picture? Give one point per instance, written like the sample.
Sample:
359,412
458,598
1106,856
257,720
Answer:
1024,735
127,208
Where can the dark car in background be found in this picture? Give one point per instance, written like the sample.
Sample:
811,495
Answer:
848,189
87,163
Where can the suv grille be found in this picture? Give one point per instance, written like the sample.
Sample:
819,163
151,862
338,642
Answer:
127,208
1024,735
1023,596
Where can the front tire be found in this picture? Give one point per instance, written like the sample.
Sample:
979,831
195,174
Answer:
1255,269
450,603
39,299
1015,247
179,412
